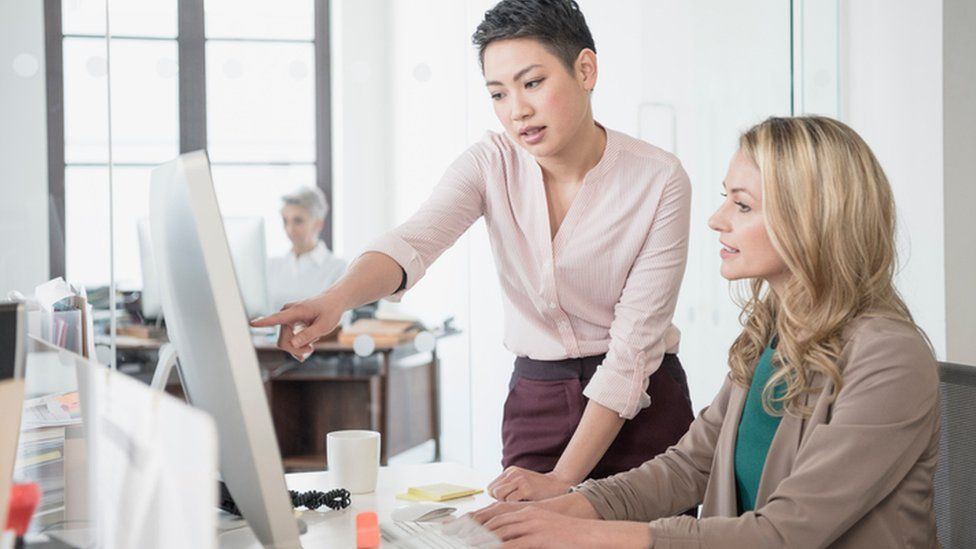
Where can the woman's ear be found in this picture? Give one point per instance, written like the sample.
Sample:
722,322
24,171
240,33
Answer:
586,69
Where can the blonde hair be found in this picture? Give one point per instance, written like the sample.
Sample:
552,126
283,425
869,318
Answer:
830,215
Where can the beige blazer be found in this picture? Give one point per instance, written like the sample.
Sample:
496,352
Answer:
856,473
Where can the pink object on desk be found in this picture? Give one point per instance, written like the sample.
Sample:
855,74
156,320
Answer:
367,530
23,501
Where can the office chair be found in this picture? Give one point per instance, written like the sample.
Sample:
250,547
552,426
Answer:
955,474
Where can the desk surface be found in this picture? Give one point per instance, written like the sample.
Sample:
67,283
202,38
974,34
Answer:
338,528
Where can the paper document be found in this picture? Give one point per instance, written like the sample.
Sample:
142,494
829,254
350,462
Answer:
52,410
64,318
154,465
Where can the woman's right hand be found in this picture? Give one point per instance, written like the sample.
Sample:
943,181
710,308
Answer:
303,323
471,526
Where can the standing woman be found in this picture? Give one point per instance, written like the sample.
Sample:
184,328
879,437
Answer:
589,228
826,431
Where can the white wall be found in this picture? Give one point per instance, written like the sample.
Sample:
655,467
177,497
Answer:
23,148
959,140
429,59
722,67
891,93
360,123
399,107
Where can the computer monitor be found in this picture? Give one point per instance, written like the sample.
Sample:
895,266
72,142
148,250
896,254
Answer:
206,322
13,336
245,235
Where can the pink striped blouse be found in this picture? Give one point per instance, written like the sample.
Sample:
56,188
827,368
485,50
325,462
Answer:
607,282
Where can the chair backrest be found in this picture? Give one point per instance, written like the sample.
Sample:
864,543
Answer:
955,474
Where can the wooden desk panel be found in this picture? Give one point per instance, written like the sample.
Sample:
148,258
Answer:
394,391
346,392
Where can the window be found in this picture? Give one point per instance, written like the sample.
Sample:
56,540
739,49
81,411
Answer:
250,84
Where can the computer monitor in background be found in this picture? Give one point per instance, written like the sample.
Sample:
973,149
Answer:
207,324
245,235
13,339
149,297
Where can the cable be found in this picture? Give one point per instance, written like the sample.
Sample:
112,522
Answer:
313,499
337,499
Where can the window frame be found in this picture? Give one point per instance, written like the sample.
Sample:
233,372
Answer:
192,100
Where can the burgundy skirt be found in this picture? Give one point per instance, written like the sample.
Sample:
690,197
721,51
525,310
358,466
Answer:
545,403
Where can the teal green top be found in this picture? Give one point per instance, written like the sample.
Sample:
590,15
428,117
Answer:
756,431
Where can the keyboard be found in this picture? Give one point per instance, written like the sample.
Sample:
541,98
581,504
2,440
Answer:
418,535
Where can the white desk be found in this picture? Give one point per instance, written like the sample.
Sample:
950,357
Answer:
338,528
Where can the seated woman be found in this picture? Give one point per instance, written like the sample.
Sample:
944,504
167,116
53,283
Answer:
826,430
309,267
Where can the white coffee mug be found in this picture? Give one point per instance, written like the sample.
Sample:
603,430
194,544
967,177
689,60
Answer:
353,458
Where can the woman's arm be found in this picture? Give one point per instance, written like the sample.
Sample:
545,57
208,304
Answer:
671,482
565,521
595,515
370,277
643,314
453,206
406,251
596,431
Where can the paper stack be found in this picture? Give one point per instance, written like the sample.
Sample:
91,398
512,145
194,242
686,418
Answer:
40,459
385,333
61,315
41,454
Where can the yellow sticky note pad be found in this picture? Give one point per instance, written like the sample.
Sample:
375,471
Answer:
410,497
438,492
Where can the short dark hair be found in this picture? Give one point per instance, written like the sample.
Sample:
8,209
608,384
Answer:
558,24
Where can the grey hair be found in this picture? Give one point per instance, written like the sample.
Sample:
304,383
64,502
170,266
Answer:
310,198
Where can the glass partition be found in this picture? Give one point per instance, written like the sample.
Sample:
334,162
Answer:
54,204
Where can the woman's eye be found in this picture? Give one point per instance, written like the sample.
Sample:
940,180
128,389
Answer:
743,207
534,83
496,96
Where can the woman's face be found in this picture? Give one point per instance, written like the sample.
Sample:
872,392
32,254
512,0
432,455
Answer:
539,102
747,251
302,230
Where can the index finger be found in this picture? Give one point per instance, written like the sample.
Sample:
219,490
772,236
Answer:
284,316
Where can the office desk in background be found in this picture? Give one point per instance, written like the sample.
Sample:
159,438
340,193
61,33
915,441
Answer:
393,391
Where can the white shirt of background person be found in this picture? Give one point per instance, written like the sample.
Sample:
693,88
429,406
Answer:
309,267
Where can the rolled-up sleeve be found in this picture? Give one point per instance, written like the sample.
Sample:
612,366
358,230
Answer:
455,204
643,314
671,482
